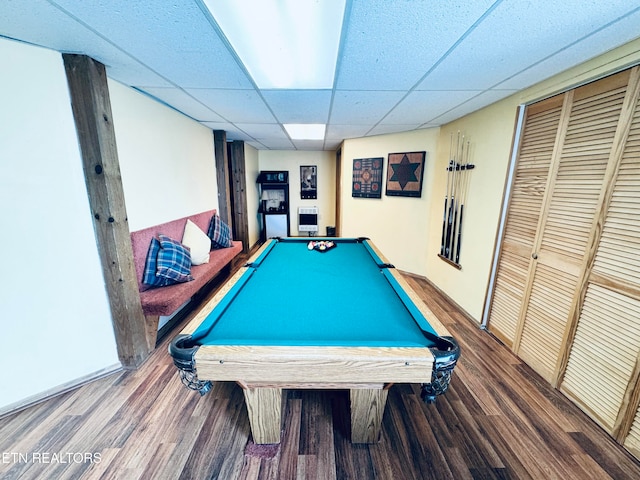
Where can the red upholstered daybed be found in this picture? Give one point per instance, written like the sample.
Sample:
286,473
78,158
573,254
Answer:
157,301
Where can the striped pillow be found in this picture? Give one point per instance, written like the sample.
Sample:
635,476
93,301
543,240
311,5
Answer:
219,233
174,260
149,276
166,263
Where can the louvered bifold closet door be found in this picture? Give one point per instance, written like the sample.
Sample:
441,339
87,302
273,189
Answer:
602,369
567,223
521,225
632,442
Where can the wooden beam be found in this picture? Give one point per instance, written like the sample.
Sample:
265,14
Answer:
239,194
222,174
92,113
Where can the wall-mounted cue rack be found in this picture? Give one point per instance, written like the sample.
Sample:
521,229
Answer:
458,173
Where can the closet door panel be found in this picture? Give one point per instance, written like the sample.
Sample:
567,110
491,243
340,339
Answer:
527,194
618,255
567,292
567,229
545,322
583,163
604,354
632,442
602,369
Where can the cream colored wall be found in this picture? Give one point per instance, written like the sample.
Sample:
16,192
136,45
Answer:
167,160
292,161
490,132
399,226
251,158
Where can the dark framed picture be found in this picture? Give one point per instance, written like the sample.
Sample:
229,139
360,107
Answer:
404,174
367,177
309,181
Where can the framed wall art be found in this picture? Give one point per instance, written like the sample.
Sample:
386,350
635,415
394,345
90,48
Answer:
367,177
404,174
308,181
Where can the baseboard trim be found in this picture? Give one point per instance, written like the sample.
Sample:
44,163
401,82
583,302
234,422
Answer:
59,390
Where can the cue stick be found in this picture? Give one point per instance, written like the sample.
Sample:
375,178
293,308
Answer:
452,200
455,197
446,198
465,190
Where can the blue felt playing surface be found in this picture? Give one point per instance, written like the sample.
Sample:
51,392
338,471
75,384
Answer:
297,296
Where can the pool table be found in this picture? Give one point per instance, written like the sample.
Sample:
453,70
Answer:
301,316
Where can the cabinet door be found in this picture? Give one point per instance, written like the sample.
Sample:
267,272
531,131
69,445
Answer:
603,367
571,310
539,137
564,153
566,227
632,442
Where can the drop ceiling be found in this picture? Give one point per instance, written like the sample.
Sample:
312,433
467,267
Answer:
402,64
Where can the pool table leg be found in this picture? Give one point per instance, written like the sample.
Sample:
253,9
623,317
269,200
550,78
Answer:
264,406
367,409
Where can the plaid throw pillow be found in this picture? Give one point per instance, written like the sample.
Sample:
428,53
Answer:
149,276
174,260
219,233
167,262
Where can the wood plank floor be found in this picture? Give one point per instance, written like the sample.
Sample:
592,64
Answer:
498,420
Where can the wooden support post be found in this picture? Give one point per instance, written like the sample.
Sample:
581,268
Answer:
91,106
222,175
264,406
367,409
239,194
151,328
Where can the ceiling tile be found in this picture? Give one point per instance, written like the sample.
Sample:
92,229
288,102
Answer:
241,106
359,108
421,106
391,44
308,144
387,129
471,105
233,132
174,39
340,132
183,102
45,25
299,106
332,144
516,35
276,143
622,31
263,130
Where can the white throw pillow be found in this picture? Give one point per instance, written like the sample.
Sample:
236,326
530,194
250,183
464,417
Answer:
198,242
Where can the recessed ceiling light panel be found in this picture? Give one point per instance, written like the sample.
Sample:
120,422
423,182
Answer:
289,44
307,131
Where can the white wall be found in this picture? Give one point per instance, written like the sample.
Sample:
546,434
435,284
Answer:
167,160
292,161
56,325
399,226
